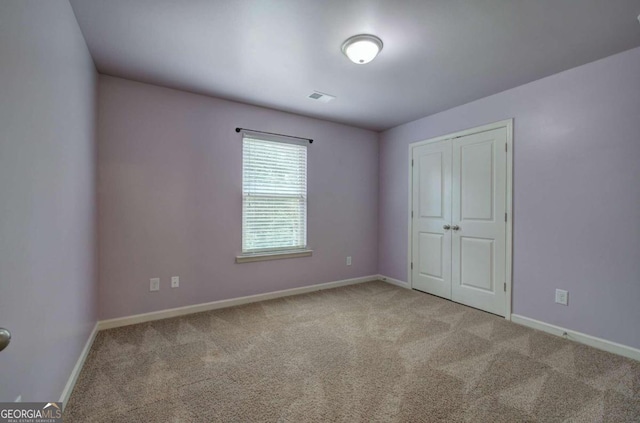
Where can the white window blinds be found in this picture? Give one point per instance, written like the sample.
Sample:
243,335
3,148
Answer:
274,188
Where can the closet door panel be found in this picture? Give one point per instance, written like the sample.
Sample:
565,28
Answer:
478,220
431,204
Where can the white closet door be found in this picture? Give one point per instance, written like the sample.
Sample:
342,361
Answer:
478,220
431,242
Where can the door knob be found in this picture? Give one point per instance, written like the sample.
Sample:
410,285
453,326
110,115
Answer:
5,338
455,227
446,227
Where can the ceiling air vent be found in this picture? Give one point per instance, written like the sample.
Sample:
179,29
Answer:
322,97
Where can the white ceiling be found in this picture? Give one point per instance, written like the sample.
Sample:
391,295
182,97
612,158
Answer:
437,53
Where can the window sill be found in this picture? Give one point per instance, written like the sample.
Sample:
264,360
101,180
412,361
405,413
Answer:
277,255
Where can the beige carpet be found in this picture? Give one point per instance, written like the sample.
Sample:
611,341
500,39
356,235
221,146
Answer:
368,352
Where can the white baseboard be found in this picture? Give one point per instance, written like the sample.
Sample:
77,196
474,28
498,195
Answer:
392,281
68,388
583,338
197,308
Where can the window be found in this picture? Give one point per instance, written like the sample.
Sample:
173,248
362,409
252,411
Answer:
274,189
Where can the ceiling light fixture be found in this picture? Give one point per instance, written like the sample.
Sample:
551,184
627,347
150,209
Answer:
363,48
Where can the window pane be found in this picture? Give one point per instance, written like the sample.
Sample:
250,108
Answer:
272,222
274,195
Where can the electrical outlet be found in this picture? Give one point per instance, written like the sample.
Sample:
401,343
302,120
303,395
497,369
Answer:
348,260
175,281
562,297
154,284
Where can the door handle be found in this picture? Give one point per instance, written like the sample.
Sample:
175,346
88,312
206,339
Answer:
446,227
455,227
5,338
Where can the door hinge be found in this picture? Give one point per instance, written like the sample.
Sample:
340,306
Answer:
411,213
505,217
505,147
411,162
411,265
505,287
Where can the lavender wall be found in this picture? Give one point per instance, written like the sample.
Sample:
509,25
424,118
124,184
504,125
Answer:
170,181
48,88
576,193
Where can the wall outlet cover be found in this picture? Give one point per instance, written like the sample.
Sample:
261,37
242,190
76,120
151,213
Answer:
562,297
348,260
154,284
175,281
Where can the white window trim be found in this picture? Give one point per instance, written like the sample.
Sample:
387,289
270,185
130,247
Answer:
275,253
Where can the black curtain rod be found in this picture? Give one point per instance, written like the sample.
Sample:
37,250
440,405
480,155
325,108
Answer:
272,133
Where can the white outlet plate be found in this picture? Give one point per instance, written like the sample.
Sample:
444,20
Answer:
348,260
562,296
154,284
175,281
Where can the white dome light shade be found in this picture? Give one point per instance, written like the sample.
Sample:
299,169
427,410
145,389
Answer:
361,49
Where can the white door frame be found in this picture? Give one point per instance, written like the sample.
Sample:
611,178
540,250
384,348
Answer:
508,124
